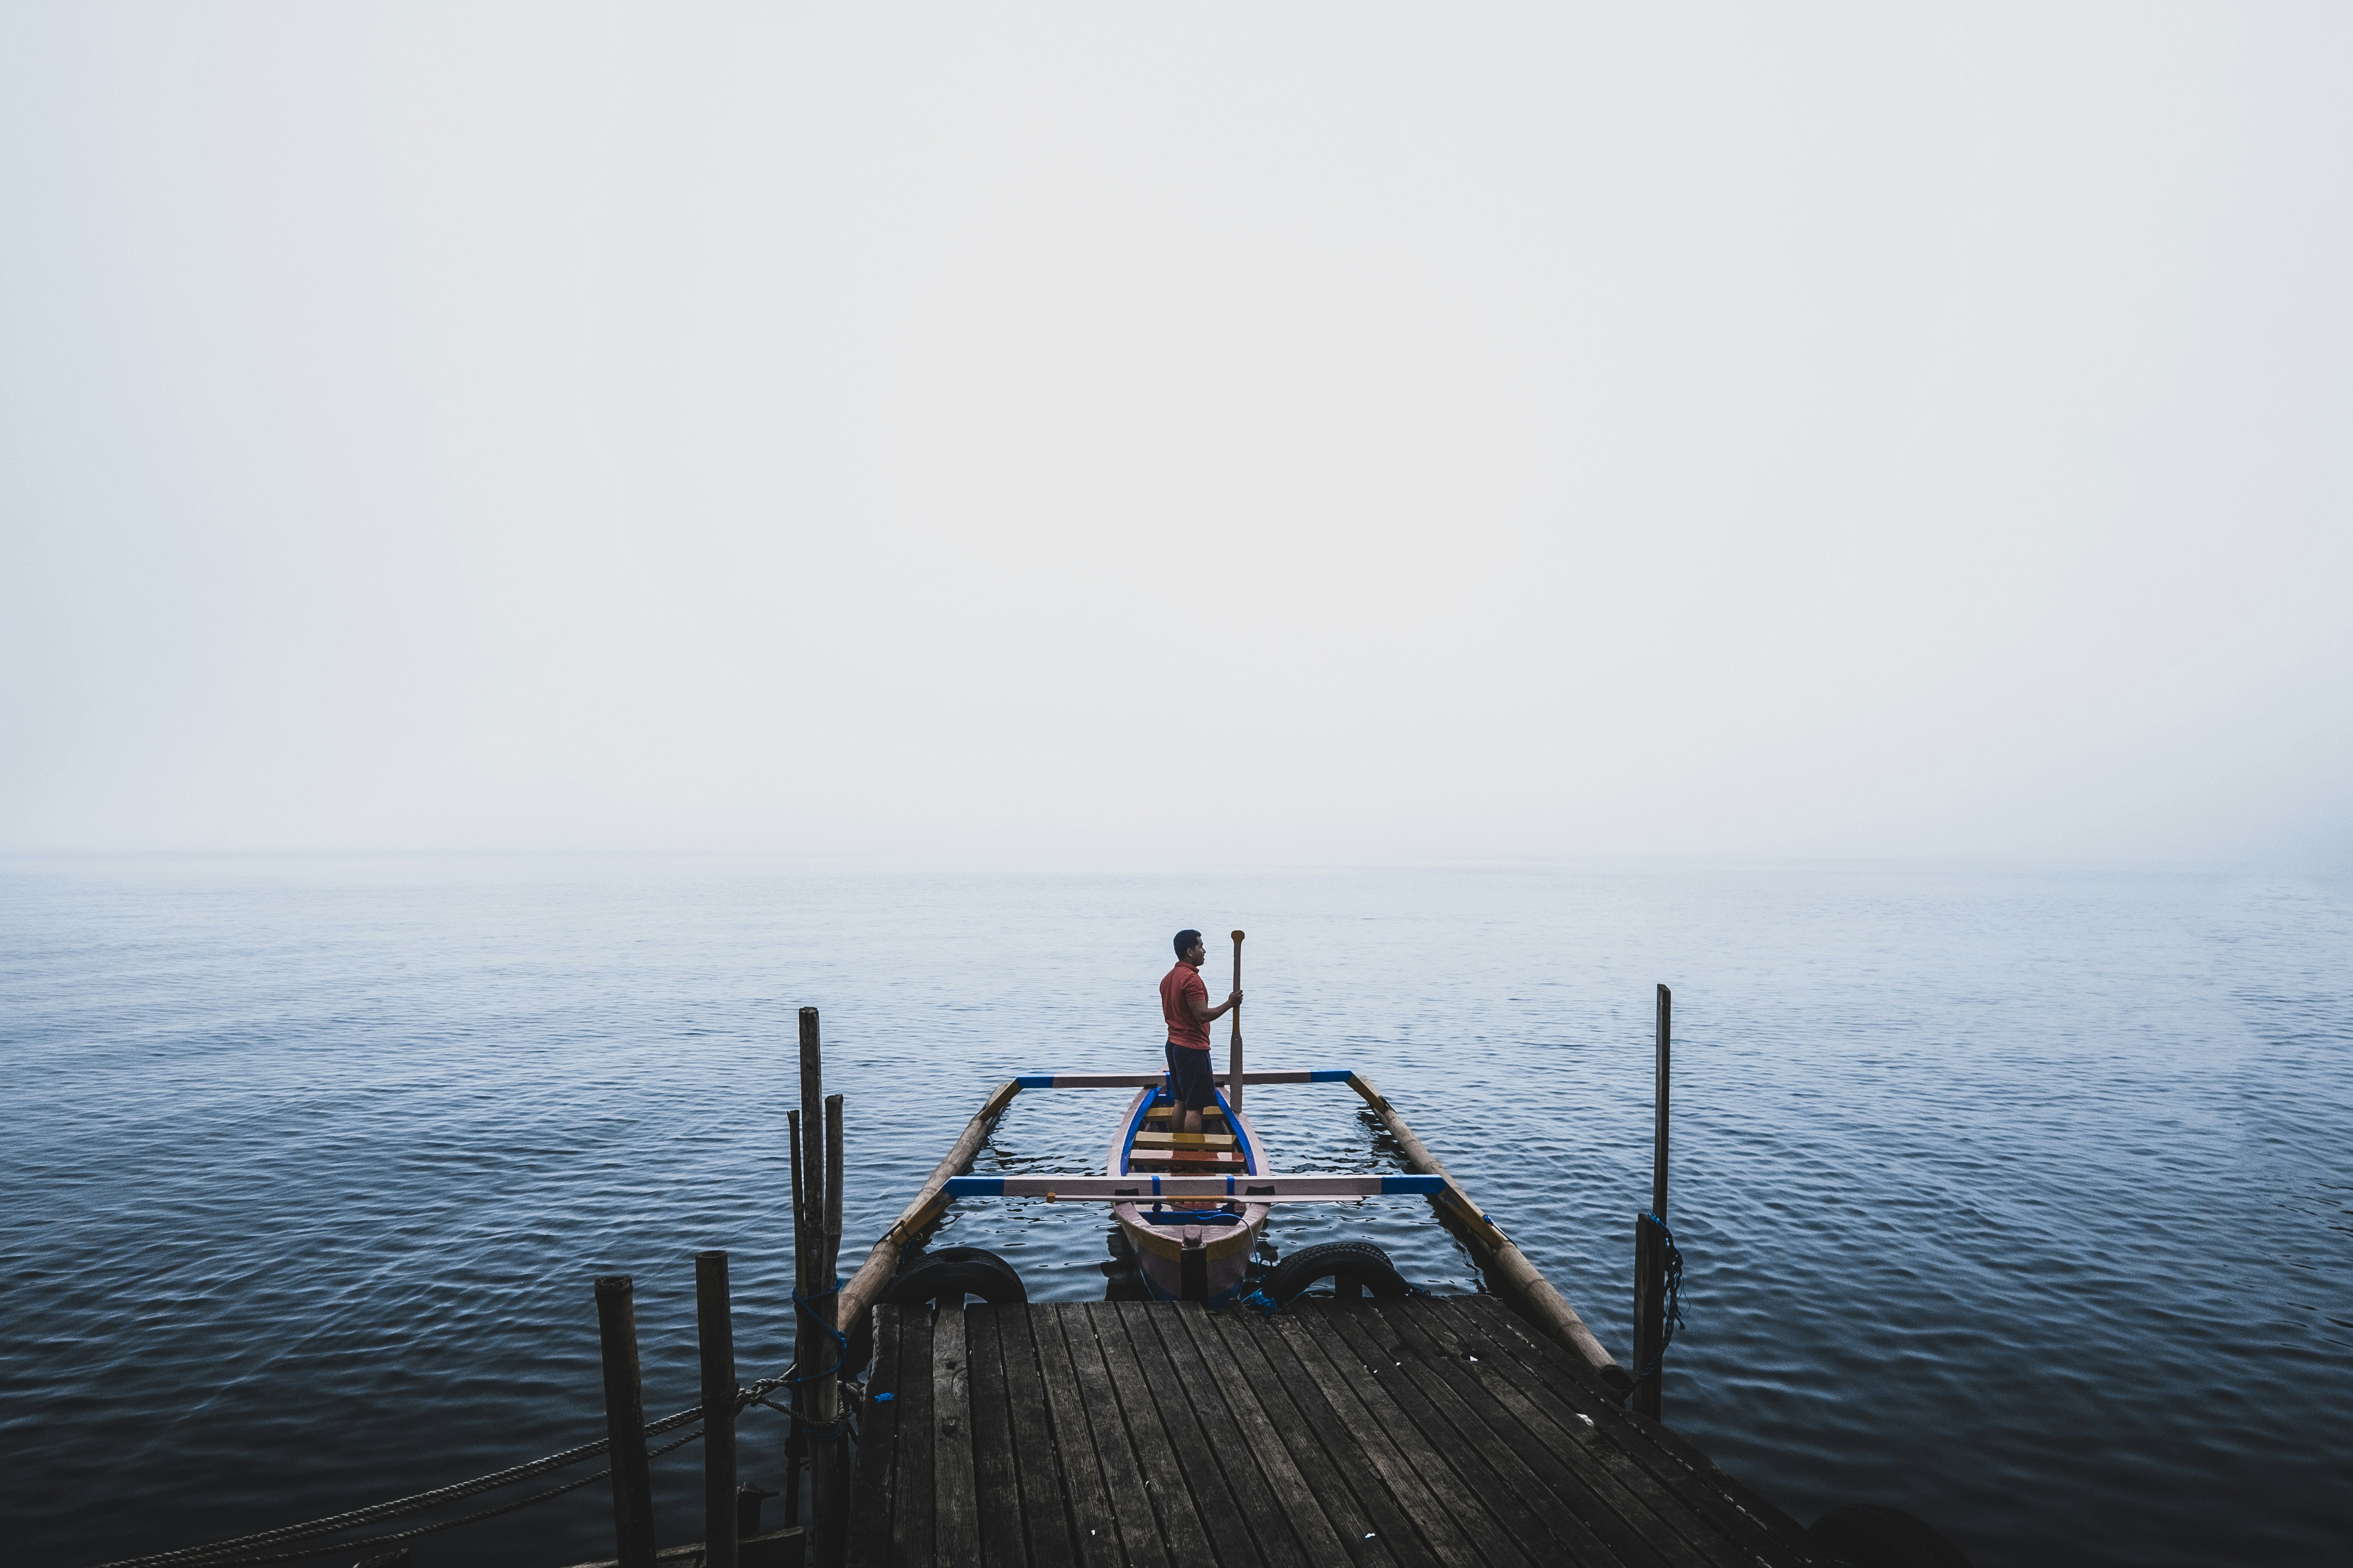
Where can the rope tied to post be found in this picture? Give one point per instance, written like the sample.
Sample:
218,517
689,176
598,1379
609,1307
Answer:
1673,1317
804,1307
805,1426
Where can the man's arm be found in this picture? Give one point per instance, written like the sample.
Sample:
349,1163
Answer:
1199,1001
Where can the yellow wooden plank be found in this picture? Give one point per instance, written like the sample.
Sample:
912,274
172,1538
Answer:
1186,1159
1184,1140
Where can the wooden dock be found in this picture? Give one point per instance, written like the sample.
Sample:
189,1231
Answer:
1439,1431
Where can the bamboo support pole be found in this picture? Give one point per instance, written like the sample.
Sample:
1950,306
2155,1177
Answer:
1501,1256
715,1338
625,1422
832,1188
813,1346
829,1466
928,1203
796,1441
812,1116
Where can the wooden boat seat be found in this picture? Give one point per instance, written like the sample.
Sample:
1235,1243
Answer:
1184,1140
1184,1159
1208,1114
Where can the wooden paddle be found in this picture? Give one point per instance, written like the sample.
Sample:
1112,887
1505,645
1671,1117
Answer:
1234,1058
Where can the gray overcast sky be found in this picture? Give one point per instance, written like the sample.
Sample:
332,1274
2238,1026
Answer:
1141,434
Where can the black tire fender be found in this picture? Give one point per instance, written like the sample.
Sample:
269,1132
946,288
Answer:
927,1276
1358,1263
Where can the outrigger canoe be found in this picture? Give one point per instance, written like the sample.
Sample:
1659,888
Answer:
1187,1249
1191,1208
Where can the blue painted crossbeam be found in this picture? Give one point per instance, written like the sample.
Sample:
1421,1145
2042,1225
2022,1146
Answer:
1312,1188
1137,1080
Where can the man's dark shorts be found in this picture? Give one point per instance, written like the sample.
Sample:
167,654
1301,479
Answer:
1188,1078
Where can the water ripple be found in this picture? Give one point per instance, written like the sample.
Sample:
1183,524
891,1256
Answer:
2019,1200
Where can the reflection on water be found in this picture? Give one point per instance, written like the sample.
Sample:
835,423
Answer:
2019,1201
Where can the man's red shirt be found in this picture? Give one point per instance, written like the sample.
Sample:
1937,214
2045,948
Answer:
1183,1029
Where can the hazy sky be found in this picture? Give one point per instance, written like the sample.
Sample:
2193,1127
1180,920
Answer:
1125,435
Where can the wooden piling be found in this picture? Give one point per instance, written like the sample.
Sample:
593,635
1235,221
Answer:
1659,1106
796,1441
832,1187
812,1113
813,1347
625,1422
748,1499
715,1336
828,1469
1649,1241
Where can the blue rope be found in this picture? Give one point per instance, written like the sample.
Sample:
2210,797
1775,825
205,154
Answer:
1266,1305
1674,1312
805,1309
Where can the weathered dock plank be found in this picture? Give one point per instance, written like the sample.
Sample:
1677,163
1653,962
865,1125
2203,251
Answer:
1697,1483
995,1478
1369,1430
1140,1541
1254,1443
1036,1454
1182,1526
1197,1376
1480,1457
1371,1525
911,1524
1094,1526
873,1501
955,1495
1627,1502
1579,1513
1424,1433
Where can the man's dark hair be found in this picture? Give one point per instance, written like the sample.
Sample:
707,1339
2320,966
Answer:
1187,939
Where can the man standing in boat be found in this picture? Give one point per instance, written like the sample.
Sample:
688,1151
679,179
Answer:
1185,1004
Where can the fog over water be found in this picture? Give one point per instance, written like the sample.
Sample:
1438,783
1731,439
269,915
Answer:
1039,435
536,539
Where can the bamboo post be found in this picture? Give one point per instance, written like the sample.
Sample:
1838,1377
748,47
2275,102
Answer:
828,1471
812,1116
796,1438
716,1337
813,1347
832,1187
1234,1050
1649,1242
625,1422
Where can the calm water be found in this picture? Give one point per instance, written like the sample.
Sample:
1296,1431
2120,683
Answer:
2018,1200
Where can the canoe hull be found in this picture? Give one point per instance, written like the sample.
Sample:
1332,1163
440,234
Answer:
1221,1239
